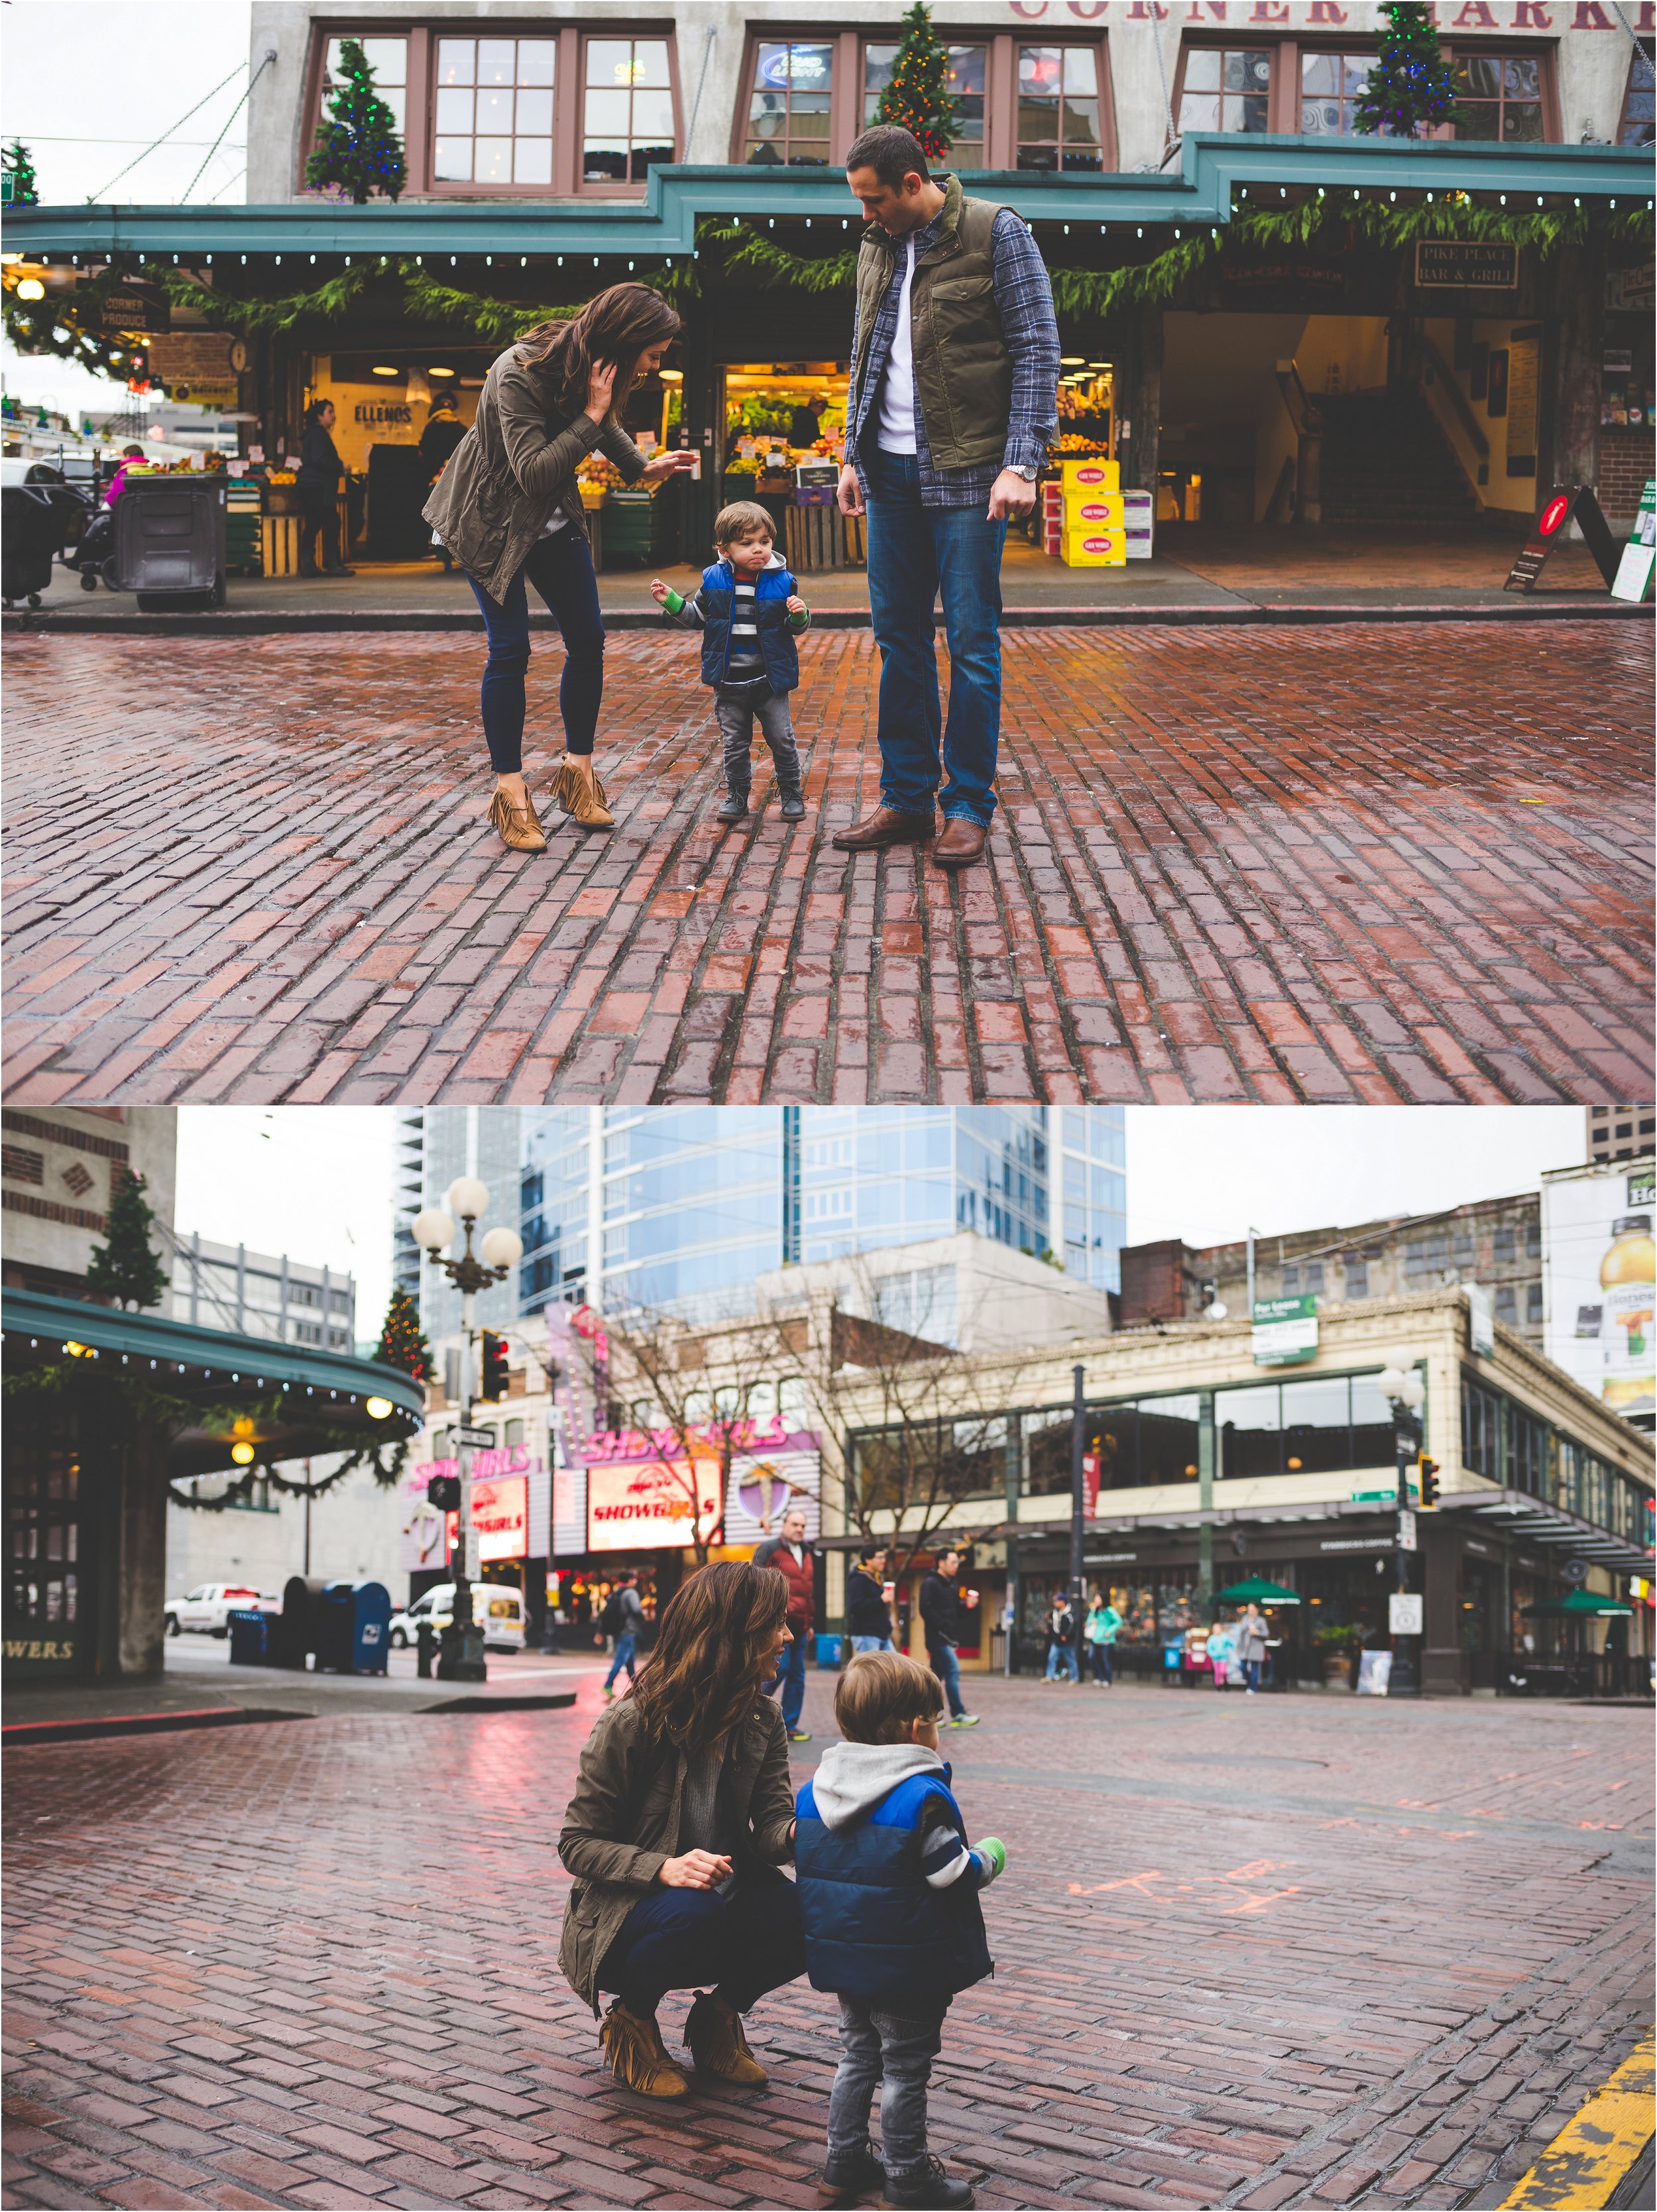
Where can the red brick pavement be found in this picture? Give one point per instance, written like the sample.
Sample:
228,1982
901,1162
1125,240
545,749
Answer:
1297,1951
1352,864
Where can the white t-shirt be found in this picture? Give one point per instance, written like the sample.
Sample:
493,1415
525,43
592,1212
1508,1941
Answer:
896,433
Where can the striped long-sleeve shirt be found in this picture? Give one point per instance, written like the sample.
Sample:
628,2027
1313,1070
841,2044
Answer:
945,1858
1023,299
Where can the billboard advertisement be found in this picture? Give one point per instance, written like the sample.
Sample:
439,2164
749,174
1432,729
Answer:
646,1504
1597,1264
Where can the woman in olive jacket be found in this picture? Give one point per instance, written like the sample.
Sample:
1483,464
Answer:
680,1817
508,508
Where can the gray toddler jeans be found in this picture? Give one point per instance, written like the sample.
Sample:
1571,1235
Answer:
735,706
896,2052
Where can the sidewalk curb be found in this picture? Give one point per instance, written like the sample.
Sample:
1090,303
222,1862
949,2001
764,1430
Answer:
296,621
1583,2169
552,1701
19,1736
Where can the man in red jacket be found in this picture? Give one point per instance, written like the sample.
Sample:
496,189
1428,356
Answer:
795,1561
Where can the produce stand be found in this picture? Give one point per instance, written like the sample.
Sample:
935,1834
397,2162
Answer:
641,526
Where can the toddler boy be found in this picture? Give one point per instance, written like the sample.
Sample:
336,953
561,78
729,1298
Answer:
749,615
888,1896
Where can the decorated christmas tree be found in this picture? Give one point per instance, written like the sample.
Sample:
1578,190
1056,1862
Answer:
401,1342
358,150
21,191
124,1268
918,98
1411,86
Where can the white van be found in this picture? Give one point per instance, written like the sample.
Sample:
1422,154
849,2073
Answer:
499,1610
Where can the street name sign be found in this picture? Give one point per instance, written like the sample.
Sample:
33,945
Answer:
478,1440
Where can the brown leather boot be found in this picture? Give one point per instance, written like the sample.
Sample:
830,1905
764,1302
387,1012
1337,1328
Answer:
961,843
518,827
714,2037
577,790
885,826
637,2056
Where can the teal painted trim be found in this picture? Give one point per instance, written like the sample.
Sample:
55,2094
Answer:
1202,191
211,1353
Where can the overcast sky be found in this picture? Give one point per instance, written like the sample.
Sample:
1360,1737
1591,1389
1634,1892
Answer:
315,1181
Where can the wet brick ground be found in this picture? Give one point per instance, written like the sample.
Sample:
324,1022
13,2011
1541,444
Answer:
1351,864
1296,1951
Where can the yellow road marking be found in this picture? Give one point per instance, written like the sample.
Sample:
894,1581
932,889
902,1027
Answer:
1580,2168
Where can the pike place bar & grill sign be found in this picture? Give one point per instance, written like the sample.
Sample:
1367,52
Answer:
1472,264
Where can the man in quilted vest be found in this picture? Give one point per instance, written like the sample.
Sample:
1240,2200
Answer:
953,402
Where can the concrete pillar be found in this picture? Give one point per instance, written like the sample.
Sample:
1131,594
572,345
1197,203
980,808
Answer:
1444,1672
1206,1445
1144,388
137,1532
1569,442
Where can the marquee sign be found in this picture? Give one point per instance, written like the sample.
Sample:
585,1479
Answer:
652,1504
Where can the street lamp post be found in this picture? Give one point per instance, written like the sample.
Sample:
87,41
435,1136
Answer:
1401,1385
461,1652
1078,1499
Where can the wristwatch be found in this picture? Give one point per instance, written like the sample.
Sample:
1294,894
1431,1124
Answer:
1021,469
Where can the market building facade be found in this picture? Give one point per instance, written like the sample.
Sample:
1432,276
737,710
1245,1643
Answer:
1425,332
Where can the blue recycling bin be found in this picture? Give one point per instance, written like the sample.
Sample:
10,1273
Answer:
354,1622
828,1654
249,1638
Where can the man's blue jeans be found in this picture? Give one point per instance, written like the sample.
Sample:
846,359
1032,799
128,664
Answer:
1061,1657
941,1658
790,1675
915,551
626,1649
861,1644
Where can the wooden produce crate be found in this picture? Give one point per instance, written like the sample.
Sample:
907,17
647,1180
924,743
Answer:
856,541
815,539
279,544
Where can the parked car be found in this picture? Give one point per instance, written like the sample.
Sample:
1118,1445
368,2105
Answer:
207,1608
501,1611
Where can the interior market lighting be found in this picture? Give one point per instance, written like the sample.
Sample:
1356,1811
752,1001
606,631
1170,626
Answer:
31,288
381,370
440,371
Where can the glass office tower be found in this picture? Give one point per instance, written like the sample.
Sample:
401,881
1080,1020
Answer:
680,1207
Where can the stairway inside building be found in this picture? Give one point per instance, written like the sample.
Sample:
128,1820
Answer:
1386,460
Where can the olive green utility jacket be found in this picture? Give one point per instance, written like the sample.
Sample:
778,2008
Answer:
623,1822
515,469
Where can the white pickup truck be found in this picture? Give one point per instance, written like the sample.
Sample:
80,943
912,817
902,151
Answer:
206,1609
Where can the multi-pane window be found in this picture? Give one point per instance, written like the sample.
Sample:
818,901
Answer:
1058,113
788,109
1638,127
1330,86
628,125
494,111
43,1521
1227,89
1358,1278
968,67
1499,96
389,60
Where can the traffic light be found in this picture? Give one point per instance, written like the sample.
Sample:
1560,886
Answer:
1428,1472
492,1379
443,1491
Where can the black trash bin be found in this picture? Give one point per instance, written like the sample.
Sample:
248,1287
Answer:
31,532
293,1636
353,1626
170,539
249,1638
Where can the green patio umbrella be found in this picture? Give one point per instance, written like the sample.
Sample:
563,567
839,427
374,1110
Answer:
1257,1592
1582,1605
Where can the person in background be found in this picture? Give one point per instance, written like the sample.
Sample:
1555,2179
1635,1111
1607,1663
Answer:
795,1561
1104,1624
1250,1645
940,1608
319,472
624,1616
1222,1648
806,420
118,482
868,1617
1061,1640
443,432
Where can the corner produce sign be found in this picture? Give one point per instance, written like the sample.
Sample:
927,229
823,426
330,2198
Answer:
1285,1331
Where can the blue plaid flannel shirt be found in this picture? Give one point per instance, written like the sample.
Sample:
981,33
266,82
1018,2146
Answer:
1023,299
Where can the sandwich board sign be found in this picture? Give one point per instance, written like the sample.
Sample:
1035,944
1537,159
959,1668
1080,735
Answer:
1565,503
1633,579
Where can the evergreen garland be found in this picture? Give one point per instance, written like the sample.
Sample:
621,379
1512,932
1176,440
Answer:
358,152
19,168
125,1267
73,330
402,1341
1411,85
918,98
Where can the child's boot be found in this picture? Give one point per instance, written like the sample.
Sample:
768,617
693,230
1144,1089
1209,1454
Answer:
733,807
925,2188
794,807
857,2173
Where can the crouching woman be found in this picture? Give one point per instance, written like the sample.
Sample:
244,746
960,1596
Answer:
680,1819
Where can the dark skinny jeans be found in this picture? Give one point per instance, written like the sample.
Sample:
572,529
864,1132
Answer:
561,570
740,1946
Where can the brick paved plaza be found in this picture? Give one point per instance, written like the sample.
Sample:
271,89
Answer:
1351,863
1293,1951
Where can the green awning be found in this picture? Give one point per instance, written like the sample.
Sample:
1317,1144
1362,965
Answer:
1257,1592
1582,1605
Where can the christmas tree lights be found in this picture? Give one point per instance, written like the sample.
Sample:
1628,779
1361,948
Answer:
918,98
358,151
1411,85
401,1344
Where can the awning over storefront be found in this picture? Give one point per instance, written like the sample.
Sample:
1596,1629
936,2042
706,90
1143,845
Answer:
1257,1591
1582,1605
1516,1514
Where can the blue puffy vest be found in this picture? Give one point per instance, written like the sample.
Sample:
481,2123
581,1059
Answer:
773,589
874,1930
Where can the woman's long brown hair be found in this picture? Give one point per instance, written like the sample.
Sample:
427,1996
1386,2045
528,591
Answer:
712,1655
616,327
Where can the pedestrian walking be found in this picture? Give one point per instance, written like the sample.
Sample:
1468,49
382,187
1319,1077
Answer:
1100,1631
868,1616
508,509
941,1602
681,1816
1250,1634
889,1890
750,614
1061,1640
623,1617
317,478
951,412
1221,1651
796,1561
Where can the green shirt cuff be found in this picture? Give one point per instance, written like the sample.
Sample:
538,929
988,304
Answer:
673,603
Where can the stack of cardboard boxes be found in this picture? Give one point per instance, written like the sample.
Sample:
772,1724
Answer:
1089,522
